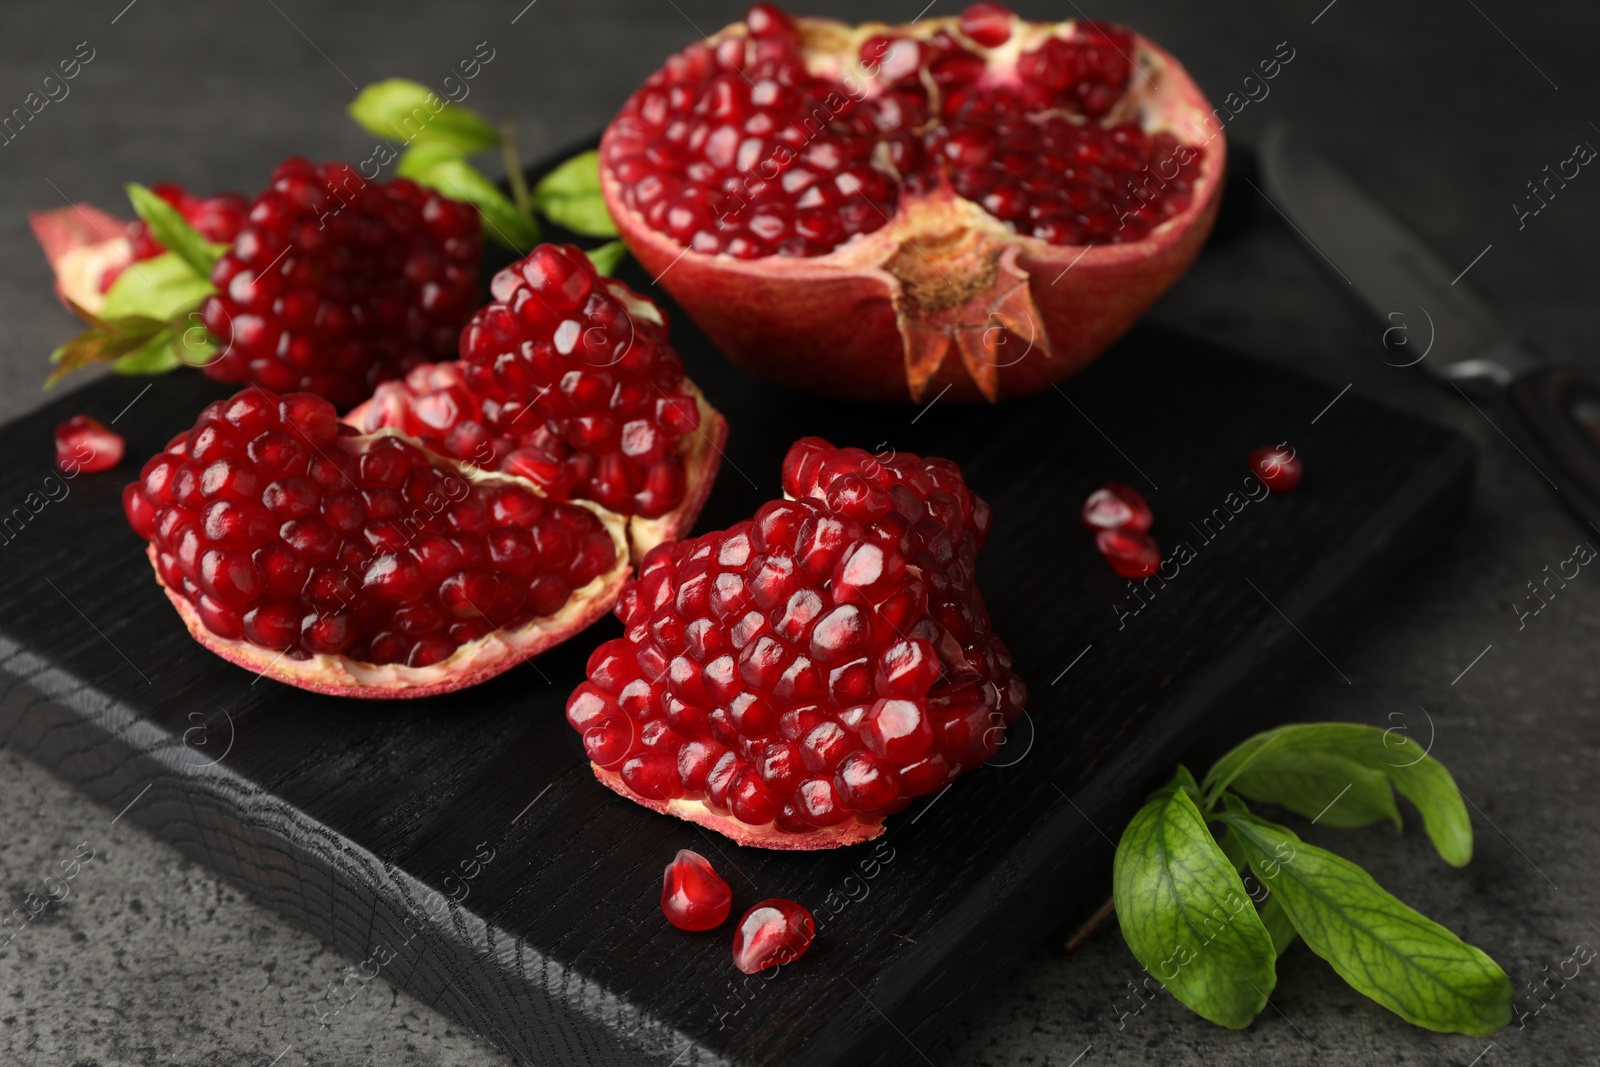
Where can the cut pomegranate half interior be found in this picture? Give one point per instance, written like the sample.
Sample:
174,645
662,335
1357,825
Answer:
363,565
796,678
568,379
972,206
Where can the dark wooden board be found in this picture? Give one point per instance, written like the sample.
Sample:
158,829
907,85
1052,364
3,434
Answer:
369,823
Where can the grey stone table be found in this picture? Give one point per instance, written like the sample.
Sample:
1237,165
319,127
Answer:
1445,110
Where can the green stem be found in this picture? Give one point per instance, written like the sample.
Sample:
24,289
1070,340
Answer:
519,186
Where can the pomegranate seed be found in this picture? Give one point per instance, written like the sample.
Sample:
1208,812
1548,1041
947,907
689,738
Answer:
1132,553
1278,467
1115,506
217,219
771,934
84,444
987,24
693,895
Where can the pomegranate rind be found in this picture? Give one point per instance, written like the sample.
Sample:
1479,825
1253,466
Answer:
472,663
81,243
836,325
852,831
702,459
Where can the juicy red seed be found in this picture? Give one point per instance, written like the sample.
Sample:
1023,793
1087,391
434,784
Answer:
987,24
1278,467
771,934
561,383
693,895
374,550
335,282
791,667
1132,553
85,444
739,150
1115,506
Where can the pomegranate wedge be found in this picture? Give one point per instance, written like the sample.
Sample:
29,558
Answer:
796,678
568,379
974,206
363,565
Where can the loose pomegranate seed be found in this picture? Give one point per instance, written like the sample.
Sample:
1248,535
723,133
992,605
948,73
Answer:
335,283
1278,467
84,444
1132,553
1115,506
289,532
812,669
567,379
737,148
693,895
771,934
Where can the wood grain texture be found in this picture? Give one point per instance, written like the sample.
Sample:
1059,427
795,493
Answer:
361,821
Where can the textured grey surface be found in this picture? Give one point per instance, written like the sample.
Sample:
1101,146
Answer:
152,960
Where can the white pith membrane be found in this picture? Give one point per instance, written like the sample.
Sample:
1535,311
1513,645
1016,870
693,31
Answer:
472,662
700,449
941,258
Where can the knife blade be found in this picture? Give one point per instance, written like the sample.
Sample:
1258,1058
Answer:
1555,406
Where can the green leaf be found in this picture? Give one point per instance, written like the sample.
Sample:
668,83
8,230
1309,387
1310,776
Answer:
1307,748
1323,786
172,231
570,196
1403,960
607,257
105,341
156,288
414,114
421,156
1276,920
455,179
156,357
1185,914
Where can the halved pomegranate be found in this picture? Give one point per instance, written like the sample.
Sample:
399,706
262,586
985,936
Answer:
568,379
796,678
973,206
363,565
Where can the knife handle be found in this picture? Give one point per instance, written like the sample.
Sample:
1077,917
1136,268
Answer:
1558,408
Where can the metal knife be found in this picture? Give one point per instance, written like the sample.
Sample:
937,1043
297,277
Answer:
1431,319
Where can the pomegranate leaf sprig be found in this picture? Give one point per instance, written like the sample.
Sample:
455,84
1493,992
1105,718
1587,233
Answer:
149,322
440,135
1189,919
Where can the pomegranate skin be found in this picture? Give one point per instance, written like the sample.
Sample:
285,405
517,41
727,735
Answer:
847,324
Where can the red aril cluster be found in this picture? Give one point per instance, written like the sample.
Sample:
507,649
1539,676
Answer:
335,283
216,218
773,933
84,443
286,539
737,147
567,379
1121,520
693,894
794,679
1278,467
